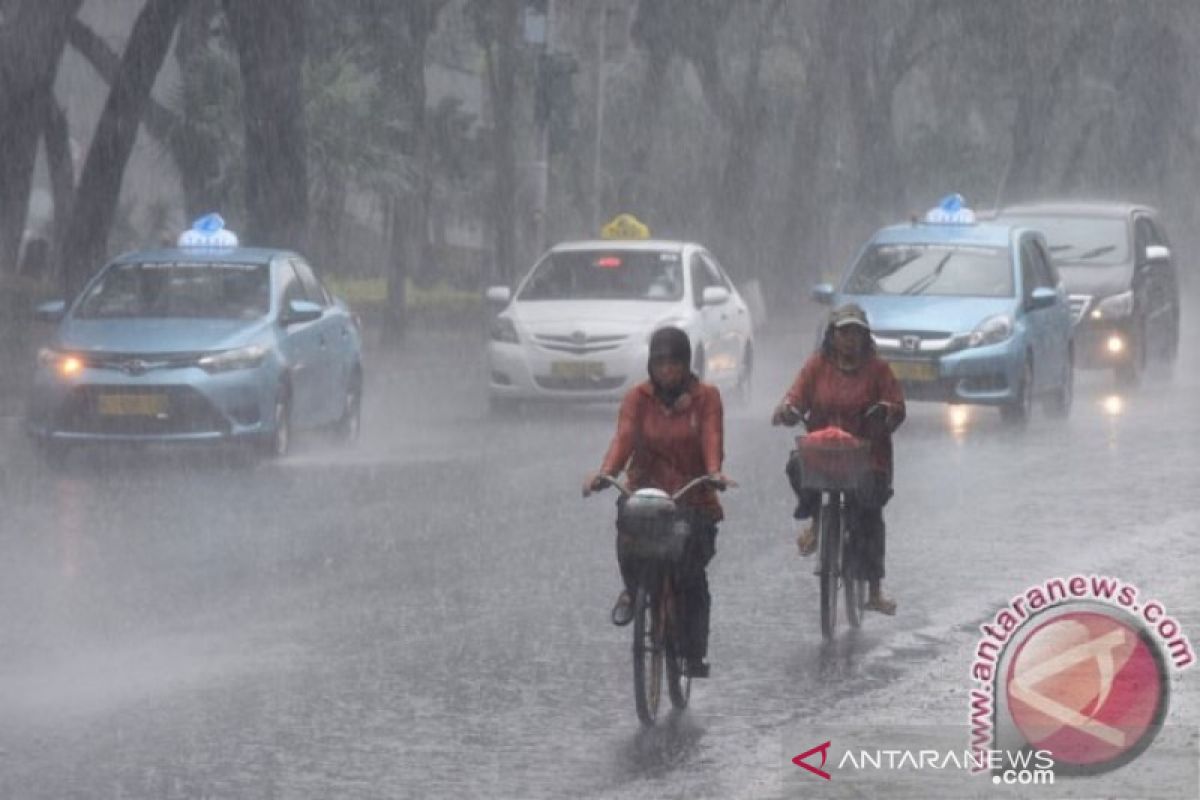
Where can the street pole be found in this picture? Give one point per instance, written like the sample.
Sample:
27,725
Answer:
601,76
542,179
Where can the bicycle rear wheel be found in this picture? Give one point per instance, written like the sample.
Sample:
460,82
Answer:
679,683
831,550
647,657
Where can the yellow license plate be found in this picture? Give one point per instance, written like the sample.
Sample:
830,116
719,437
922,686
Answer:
132,405
914,371
575,370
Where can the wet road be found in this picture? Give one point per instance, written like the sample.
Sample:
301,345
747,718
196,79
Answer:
426,615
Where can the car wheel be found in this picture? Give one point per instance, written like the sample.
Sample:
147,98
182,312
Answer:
1130,373
279,442
1019,410
350,423
1059,404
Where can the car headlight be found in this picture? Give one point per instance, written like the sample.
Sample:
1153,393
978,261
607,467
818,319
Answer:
1115,307
991,331
504,330
229,360
62,364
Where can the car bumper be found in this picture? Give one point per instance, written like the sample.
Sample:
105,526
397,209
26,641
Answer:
178,405
520,372
981,375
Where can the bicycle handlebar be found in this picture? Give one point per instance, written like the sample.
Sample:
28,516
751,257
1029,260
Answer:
719,485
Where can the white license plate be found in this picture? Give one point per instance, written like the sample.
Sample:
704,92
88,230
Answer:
132,405
914,371
577,370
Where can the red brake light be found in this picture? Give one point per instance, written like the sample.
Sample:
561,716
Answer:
608,262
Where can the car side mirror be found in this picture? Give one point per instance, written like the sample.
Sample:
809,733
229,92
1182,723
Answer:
1042,297
50,311
714,296
823,293
1158,252
498,295
298,311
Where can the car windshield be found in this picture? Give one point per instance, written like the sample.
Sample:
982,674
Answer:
175,290
1082,240
607,275
933,269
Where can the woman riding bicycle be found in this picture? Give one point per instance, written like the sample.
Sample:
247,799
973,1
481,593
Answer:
670,430
846,384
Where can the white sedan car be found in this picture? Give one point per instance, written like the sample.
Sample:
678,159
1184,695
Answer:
579,324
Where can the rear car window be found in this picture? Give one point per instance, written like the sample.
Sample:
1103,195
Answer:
607,275
933,269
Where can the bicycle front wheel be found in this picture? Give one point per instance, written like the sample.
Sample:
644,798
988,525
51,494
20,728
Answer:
647,656
831,550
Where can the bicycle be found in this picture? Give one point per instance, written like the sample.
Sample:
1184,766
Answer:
658,539
835,467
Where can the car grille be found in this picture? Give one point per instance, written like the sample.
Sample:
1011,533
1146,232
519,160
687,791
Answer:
909,341
140,363
1078,304
188,411
579,384
579,345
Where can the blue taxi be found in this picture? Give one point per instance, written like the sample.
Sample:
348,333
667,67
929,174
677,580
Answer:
207,341
966,312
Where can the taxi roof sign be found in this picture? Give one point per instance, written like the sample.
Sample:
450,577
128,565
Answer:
208,231
625,226
951,210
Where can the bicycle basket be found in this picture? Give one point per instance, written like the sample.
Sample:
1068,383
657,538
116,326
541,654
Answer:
651,528
833,461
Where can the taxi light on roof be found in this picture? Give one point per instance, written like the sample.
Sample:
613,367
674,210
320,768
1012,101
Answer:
951,210
208,231
625,226
608,262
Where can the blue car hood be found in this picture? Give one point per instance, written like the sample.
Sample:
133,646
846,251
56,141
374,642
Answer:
156,335
926,313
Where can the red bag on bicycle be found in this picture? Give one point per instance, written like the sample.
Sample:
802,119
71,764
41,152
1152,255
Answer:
831,458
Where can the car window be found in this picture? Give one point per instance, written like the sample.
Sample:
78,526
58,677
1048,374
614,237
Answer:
179,290
292,288
606,275
1081,240
1042,276
312,287
703,276
716,273
932,269
1051,271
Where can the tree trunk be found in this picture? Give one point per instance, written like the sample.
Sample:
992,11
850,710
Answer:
632,194
100,181
502,85
61,167
31,45
270,40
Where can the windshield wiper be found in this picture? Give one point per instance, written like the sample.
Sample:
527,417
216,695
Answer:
1055,248
923,283
1099,251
